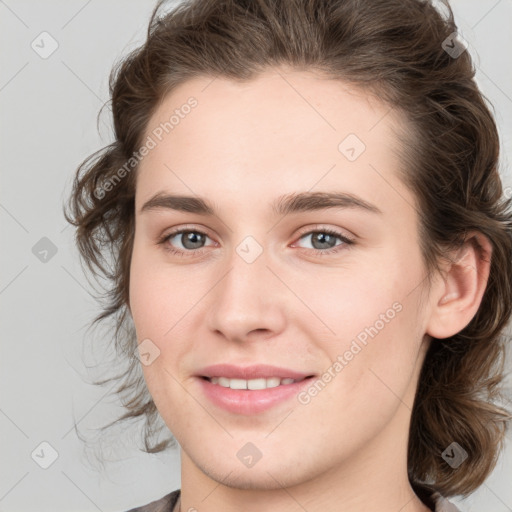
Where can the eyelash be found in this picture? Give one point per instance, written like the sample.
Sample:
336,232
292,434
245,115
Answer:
317,252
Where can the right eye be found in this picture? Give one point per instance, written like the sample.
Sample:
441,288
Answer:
190,239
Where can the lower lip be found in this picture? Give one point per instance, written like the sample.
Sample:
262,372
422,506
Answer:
244,401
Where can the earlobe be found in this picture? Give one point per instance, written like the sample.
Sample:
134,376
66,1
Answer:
456,299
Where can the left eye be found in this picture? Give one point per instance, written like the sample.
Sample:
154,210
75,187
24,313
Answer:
325,237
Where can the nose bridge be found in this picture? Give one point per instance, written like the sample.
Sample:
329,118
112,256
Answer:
247,298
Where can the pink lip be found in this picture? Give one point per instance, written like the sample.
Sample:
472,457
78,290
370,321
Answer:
257,371
248,402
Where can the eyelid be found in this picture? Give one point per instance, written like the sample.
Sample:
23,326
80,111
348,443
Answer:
322,227
187,227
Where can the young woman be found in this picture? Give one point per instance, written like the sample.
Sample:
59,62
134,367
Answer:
310,235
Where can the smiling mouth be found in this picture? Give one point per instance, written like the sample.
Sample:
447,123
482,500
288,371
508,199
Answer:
253,384
255,395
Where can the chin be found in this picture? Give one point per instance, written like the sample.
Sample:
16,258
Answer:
260,477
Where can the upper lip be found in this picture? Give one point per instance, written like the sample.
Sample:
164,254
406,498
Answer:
251,372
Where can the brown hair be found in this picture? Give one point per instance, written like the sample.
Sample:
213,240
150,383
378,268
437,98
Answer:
393,49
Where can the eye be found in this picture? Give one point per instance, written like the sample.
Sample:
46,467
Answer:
324,240
192,240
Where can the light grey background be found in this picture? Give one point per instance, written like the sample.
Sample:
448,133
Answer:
48,125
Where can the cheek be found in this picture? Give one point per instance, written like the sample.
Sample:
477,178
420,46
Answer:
371,373
159,310
157,296
369,322
342,303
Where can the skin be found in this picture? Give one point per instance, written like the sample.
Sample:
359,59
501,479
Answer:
242,147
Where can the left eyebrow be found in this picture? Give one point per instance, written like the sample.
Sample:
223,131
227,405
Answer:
284,205
311,201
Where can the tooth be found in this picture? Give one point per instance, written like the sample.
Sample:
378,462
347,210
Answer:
273,382
238,384
257,384
253,384
223,381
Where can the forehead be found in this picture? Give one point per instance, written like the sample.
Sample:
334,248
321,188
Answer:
283,129
273,101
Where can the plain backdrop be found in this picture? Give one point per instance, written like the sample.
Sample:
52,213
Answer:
49,104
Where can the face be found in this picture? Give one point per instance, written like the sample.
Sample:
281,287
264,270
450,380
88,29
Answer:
323,286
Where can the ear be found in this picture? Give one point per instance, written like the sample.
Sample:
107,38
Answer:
458,296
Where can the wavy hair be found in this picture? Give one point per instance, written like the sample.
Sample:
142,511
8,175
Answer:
398,50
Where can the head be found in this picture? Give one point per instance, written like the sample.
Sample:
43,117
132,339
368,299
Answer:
251,116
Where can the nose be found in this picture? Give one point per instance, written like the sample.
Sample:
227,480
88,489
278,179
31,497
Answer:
249,301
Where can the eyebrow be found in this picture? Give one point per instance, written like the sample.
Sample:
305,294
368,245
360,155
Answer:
284,205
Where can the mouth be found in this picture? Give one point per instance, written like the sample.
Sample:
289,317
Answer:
253,384
252,396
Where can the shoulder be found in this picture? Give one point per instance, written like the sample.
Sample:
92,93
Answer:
164,504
